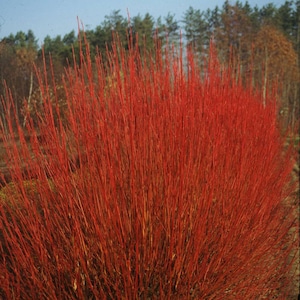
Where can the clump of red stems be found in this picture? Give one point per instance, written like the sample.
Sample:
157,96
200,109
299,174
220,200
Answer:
160,181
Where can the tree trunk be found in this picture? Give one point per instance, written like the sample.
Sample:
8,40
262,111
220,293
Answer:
29,98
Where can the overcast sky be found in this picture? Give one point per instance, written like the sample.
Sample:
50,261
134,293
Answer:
54,17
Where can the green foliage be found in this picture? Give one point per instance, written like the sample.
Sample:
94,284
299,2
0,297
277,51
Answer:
115,22
168,30
195,26
143,27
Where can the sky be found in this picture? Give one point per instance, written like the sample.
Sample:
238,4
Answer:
59,17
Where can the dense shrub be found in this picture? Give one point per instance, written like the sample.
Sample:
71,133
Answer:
165,182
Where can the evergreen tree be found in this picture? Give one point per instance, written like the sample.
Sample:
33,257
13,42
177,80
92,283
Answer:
195,27
268,15
285,17
143,27
115,23
168,30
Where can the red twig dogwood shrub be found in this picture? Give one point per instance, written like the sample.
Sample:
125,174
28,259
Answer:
159,181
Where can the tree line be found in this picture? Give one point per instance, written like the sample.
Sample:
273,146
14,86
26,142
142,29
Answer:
261,45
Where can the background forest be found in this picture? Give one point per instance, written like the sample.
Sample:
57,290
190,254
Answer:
262,44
